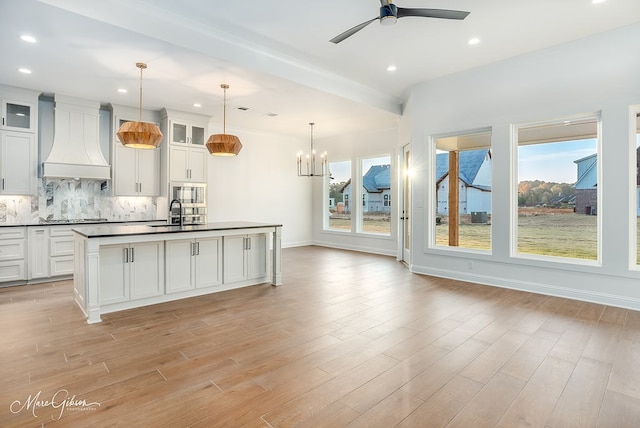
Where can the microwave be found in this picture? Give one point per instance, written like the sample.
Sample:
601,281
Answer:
193,197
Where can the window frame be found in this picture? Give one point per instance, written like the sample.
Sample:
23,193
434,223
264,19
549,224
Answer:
513,235
432,191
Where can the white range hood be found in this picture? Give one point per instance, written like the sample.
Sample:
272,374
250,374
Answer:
76,146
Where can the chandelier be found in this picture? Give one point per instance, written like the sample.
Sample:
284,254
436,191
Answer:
310,161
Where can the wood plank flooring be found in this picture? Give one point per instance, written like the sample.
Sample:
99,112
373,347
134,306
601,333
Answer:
350,339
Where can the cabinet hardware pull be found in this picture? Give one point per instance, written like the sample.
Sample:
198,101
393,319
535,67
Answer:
197,248
3,181
125,255
132,253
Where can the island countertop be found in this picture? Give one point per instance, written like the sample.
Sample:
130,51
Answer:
111,230
119,267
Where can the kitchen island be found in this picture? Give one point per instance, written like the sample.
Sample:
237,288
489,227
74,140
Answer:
118,267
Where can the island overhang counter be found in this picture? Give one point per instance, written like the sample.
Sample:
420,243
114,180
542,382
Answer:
118,267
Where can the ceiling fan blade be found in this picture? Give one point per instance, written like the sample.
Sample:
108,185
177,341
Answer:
350,32
432,13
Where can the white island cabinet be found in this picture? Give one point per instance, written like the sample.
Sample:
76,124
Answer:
126,266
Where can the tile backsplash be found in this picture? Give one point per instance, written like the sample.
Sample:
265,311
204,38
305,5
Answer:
62,199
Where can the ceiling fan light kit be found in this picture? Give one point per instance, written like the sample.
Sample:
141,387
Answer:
140,135
224,144
389,14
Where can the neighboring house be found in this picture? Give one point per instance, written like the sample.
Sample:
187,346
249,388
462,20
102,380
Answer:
376,190
587,185
474,180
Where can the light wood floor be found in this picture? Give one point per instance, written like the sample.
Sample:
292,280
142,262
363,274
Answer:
350,339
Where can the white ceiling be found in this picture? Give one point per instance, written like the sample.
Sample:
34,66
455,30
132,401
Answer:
276,56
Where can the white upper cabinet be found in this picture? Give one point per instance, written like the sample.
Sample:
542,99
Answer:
18,145
183,132
184,154
18,163
136,172
18,115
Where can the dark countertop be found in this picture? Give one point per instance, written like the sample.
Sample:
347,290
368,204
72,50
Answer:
79,222
109,230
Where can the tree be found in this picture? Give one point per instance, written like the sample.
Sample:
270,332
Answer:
334,191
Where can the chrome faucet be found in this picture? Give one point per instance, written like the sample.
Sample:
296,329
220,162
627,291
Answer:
179,213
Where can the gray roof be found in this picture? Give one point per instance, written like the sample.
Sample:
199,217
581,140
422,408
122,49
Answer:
377,178
470,162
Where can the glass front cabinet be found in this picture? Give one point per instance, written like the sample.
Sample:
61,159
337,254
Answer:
17,116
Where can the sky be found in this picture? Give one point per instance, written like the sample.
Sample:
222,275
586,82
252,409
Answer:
550,162
553,162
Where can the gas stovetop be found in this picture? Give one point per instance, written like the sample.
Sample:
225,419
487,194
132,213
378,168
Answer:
72,220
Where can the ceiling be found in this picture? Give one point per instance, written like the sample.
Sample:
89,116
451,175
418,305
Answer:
276,56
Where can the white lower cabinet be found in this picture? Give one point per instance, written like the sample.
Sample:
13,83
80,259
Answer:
12,254
131,271
38,252
245,257
193,263
60,251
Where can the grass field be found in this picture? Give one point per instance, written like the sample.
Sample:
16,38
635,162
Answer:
550,233
371,224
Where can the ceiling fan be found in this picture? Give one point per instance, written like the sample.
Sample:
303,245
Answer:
389,14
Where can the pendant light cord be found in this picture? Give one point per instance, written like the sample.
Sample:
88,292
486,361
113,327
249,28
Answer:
224,109
140,94
141,66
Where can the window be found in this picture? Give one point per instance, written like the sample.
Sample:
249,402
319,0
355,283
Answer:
557,188
637,190
375,216
339,214
463,206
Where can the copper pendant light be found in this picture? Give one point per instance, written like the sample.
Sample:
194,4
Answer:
140,135
224,144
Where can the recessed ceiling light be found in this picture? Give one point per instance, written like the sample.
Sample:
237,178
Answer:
392,68
598,1
271,114
243,108
197,105
122,90
29,39
474,41
24,70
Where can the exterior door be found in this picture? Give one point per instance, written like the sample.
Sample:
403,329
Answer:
406,205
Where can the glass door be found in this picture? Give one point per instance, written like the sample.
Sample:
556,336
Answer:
406,205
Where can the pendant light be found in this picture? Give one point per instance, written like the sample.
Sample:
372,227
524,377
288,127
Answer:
224,144
311,161
140,135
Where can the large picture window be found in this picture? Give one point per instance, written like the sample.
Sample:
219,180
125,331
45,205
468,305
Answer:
375,216
637,180
340,202
463,204
557,188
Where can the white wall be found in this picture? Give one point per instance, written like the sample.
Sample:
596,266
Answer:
261,184
355,147
599,73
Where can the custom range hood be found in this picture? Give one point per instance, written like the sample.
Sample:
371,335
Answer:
76,146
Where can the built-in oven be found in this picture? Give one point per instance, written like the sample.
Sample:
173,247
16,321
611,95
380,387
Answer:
193,203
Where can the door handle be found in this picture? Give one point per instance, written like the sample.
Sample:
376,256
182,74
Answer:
197,248
132,253
125,255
